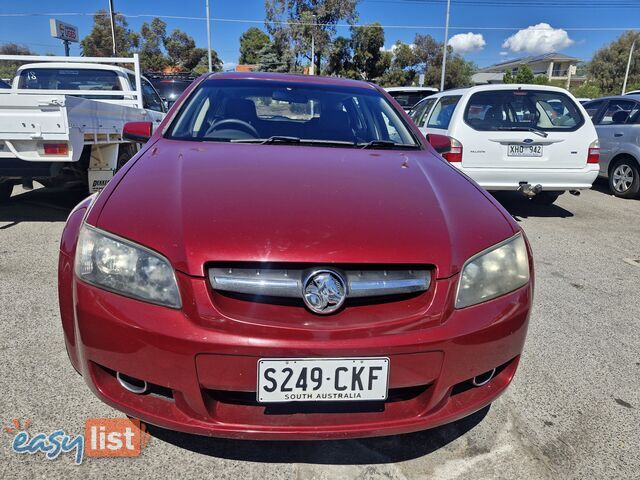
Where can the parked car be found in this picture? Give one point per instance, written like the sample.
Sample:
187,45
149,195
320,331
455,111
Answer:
170,86
4,84
407,97
617,121
287,257
534,139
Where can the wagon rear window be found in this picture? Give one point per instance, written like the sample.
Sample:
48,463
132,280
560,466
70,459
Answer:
522,109
68,79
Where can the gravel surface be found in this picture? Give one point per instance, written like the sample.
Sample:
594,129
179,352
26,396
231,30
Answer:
573,410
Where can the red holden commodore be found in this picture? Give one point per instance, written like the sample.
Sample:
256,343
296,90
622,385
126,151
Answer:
288,258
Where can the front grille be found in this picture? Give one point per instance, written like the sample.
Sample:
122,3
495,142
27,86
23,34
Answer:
285,282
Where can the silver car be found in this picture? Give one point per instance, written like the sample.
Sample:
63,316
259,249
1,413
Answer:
617,121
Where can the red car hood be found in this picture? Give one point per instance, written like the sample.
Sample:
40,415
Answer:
202,202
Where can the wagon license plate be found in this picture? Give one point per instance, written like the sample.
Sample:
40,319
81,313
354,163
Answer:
525,151
322,379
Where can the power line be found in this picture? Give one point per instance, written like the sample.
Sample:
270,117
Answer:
339,25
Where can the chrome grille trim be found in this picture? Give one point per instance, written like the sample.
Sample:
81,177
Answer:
288,283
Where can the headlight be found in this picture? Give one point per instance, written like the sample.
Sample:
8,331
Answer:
494,272
121,266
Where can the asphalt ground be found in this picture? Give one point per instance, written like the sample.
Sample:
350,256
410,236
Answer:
573,410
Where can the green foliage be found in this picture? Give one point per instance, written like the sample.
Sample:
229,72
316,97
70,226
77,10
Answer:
272,59
524,75
368,58
291,24
508,78
587,90
98,43
396,77
251,42
8,69
183,53
608,66
340,59
153,37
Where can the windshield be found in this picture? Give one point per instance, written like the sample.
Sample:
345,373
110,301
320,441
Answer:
521,110
408,98
264,110
170,89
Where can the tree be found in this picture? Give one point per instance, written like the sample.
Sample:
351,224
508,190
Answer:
608,66
586,90
251,42
340,59
396,77
368,58
404,55
292,23
271,59
184,54
99,43
8,69
153,37
524,75
508,77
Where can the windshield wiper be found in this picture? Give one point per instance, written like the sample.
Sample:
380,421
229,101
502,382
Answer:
282,139
385,144
525,129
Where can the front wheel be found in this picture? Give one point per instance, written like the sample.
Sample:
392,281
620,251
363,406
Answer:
624,178
6,189
545,198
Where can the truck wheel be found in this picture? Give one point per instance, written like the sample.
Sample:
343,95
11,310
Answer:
545,198
6,188
125,152
624,178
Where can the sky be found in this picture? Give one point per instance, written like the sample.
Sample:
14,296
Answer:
483,31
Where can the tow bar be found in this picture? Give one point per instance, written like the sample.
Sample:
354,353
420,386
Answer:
529,190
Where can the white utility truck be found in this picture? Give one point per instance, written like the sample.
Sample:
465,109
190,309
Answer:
62,120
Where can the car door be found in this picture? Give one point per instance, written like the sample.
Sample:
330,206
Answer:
438,118
421,111
616,126
522,128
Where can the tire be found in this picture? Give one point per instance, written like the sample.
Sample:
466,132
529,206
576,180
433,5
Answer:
624,178
6,189
545,198
125,152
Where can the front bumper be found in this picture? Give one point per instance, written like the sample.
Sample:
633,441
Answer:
554,179
203,372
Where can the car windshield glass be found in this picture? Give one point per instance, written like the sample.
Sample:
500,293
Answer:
170,89
408,99
259,110
542,110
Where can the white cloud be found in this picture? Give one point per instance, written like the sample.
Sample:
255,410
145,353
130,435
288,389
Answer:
228,66
394,47
467,42
538,39
504,54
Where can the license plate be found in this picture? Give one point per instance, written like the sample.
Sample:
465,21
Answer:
525,151
322,379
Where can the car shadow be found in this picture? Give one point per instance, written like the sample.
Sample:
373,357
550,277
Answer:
364,451
40,205
521,207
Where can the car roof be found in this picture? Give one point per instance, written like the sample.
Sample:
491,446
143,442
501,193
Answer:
628,96
79,66
494,87
411,89
291,77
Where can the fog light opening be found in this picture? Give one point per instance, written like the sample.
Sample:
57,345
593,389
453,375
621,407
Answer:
131,384
483,378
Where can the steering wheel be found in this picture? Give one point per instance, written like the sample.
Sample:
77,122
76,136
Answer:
246,126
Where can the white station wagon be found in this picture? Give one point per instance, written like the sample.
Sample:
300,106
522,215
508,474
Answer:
534,139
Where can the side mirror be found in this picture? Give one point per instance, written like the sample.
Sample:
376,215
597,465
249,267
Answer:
441,143
137,131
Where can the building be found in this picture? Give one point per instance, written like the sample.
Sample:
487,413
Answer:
555,66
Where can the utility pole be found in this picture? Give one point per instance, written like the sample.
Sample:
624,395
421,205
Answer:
446,39
312,70
113,27
209,37
626,75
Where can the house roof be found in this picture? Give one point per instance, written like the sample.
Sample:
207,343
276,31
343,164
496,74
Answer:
547,57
